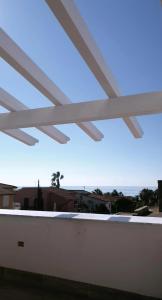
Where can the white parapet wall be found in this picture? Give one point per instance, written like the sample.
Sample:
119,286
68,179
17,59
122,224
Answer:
121,252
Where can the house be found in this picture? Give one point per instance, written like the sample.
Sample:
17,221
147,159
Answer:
89,202
53,199
7,194
108,203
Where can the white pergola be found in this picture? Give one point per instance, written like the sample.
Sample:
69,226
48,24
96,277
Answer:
64,111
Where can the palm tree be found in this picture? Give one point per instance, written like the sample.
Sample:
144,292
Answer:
55,180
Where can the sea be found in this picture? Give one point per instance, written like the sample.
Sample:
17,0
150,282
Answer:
126,190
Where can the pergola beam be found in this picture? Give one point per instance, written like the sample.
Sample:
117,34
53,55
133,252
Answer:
20,61
21,136
12,104
142,104
17,134
74,25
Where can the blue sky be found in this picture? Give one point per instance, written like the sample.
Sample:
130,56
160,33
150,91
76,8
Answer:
129,35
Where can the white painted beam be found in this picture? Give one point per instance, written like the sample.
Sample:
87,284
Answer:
18,134
12,104
19,60
74,25
21,136
124,106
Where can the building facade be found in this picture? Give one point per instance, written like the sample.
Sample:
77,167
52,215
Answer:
7,195
54,199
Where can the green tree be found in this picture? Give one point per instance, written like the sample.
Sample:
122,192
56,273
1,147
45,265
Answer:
155,198
146,195
101,209
55,180
97,192
121,194
116,193
39,203
125,204
107,194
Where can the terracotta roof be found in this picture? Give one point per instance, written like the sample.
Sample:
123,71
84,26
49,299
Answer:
105,197
7,186
63,192
109,197
80,192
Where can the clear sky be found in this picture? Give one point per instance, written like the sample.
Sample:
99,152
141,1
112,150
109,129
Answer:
129,35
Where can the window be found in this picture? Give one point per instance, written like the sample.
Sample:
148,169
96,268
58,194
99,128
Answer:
5,203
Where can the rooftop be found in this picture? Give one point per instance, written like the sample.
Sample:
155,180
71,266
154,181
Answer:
7,186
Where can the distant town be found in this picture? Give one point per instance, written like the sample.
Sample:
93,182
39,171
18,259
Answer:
55,198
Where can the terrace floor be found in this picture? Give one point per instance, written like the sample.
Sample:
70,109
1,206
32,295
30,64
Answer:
11,290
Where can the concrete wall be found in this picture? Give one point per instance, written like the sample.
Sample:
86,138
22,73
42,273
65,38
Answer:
124,255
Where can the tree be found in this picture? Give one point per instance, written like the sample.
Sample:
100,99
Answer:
120,194
97,192
146,195
55,180
125,204
115,193
107,194
101,209
155,198
39,200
